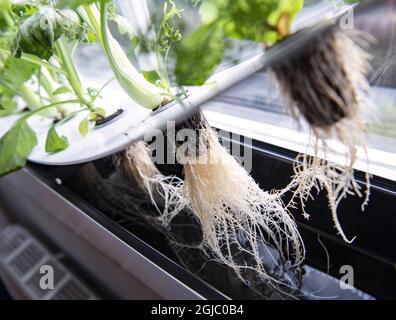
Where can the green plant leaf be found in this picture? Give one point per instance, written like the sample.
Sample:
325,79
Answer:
284,15
72,25
198,53
255,20
99,112
91,37
37,34
15,72
24,9
5,5
84,127
55,143
7,105
15,147
151,76
61,90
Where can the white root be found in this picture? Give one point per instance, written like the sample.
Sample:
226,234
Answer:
342,58
164,191
312,173
236,216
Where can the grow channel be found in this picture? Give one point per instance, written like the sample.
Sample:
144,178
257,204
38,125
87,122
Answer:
322,72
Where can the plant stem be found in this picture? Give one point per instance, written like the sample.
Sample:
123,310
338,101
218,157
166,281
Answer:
64,54
7,17
134,84
31,99
35,60
48,84
43,108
